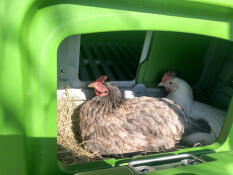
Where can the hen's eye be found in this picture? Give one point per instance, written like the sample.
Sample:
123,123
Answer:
170,82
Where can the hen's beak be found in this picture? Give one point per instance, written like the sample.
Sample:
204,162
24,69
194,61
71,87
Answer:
161,84
90,85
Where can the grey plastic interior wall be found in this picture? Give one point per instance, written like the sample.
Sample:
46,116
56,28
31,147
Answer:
69,60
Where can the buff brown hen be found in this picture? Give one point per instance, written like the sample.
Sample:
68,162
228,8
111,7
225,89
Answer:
111,124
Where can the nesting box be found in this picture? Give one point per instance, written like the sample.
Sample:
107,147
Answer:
49,46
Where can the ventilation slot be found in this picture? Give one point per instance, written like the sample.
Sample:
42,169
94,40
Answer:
118,62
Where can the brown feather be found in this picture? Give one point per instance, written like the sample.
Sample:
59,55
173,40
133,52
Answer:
114,125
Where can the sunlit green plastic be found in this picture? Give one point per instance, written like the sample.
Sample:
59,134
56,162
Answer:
31,32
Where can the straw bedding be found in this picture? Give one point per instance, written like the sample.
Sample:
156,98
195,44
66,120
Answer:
69,150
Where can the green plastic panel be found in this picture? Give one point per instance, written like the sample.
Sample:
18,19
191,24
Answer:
31,32
180,52
219,163
112,171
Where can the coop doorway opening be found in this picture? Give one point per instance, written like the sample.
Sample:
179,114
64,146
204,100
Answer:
135,62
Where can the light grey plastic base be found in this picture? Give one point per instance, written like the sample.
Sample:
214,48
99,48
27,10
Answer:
138,90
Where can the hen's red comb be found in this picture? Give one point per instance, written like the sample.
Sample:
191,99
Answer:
168,75
101,79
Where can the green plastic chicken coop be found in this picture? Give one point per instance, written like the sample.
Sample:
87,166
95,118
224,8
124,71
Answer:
45,41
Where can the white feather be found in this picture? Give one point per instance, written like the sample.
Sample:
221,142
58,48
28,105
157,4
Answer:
183,96
213,116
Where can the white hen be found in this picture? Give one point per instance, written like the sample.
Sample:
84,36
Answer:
181,93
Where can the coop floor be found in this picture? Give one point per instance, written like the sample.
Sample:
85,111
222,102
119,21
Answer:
70,151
